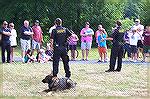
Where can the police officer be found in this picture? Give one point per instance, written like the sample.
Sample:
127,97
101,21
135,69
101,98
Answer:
59,41
117,48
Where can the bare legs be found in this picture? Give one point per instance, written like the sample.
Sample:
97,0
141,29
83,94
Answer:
73,55
85,52
11,54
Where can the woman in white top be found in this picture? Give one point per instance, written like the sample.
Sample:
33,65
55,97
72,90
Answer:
13,40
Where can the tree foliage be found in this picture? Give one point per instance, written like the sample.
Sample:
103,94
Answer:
74,12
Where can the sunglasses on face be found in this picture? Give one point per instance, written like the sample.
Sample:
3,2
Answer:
11,26
5,24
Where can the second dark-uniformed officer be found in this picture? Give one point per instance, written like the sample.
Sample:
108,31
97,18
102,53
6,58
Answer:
117,48
59,41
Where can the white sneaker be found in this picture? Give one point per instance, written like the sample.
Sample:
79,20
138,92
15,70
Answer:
23,60
107,59
134,61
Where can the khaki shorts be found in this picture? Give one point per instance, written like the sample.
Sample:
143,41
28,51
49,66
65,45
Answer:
35,45
25,44
86,45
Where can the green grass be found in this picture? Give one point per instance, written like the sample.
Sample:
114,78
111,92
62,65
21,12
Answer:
25,79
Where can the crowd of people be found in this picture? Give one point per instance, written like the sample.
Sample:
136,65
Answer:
136,39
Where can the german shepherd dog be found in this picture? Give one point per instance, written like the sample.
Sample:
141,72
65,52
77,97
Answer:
58,84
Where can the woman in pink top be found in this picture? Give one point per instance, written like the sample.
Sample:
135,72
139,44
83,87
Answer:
86,40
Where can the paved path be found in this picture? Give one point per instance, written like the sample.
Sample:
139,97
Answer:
18,59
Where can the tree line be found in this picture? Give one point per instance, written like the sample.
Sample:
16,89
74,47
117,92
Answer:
74,12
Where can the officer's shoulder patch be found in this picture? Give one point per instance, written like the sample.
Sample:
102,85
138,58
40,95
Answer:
61,31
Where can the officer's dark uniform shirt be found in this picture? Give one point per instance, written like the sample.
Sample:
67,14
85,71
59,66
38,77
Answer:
23,36
60,35
5,38
117,36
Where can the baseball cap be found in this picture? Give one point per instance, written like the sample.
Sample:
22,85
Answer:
137,20
37,21
87,23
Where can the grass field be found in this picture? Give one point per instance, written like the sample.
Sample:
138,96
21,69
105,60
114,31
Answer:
25,79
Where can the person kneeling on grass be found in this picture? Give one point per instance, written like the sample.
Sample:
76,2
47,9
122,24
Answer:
42,57
28,57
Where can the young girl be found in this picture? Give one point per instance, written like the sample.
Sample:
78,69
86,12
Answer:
49,51
28,57
42,57
72,40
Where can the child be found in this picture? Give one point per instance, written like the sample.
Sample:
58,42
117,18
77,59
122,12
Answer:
72,41
49,51
102,46
42,57
28,57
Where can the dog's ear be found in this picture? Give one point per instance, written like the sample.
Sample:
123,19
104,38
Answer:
47,79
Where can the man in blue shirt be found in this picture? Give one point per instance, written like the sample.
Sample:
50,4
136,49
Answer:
26,33
6,33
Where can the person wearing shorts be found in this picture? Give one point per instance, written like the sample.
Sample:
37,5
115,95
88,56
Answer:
72,41
86,40
37,37
13,41
133,39
139,29
97,34
26,34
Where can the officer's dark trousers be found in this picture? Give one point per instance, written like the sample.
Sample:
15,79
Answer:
5,47
61,52
116,53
